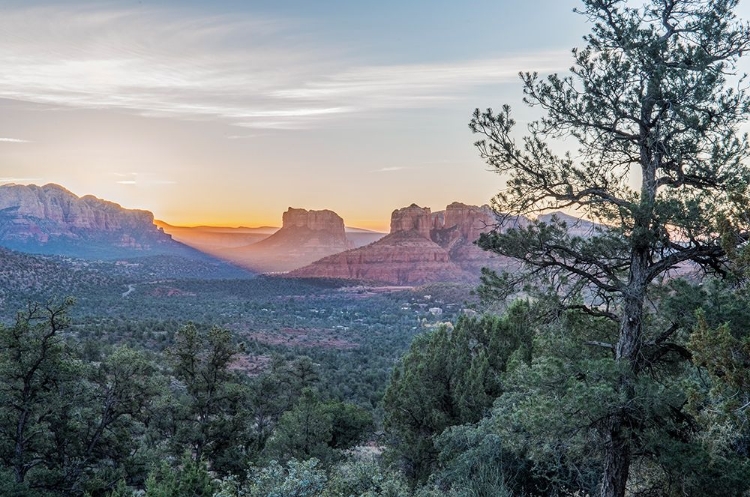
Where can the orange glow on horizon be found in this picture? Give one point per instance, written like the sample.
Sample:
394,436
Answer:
224,223
233,222
370,225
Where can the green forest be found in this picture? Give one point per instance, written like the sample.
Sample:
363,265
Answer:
613,363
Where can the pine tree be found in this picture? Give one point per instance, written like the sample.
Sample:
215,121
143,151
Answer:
32,364
210,419
654,107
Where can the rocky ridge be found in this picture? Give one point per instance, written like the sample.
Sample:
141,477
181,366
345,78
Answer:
51,219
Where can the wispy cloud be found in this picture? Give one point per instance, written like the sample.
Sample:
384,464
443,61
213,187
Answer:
419,85
13,140
390,169
141,179
242,137
251,72
18,180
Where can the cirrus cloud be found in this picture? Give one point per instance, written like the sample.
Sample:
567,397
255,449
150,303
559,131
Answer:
252,72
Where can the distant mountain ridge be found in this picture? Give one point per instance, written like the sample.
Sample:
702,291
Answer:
263,230
213,239
51,220
422,246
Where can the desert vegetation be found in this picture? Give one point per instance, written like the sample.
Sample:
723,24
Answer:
609,361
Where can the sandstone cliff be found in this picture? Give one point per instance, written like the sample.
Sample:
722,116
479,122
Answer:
305,236
325,220
413,218
400,258
50,219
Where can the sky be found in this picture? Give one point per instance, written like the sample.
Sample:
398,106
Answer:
228,112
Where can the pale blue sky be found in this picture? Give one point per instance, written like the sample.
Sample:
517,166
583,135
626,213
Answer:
231,111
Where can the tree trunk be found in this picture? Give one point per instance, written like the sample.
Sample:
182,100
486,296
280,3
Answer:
19,469
616,460
617,447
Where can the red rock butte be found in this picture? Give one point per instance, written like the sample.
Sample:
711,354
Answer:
324,220
422,247
305,236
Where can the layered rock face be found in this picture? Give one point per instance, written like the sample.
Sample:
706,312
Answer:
412,218
400,258
469,220
324,220
55,204
423,247
51,219
304,237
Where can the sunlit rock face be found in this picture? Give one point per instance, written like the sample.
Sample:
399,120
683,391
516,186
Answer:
324,220
401,258
469,220
422,247
413,218
316,231
51,219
